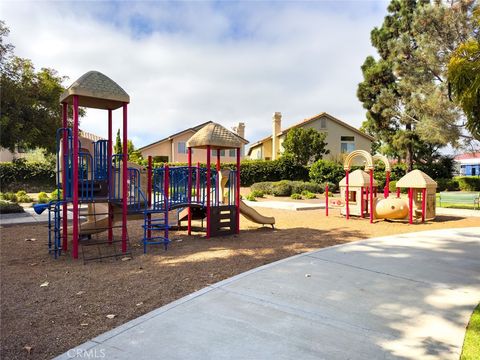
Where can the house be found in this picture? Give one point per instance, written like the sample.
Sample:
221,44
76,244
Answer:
341,137
468,164
174,147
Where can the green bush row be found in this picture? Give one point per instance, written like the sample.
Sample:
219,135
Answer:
31,176
468,183
21,197
286,188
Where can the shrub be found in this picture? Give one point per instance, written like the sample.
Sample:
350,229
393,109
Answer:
468,183
296,196
8,208
10,197
282,188
257,193
250,197
286,187
447,185
58,194
43,198
308,195
326,171
392,186
31,176
265,187
22,197
299,186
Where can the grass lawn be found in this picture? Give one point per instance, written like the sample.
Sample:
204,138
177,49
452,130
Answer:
455,205
471,344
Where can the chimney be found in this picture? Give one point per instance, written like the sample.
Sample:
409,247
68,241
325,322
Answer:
276,128
240,130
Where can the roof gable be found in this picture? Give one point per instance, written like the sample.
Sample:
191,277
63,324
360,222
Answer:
215,136
95,90
308,121
416,179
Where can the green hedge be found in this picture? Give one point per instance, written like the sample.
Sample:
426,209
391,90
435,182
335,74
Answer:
29,176
468,183
286,187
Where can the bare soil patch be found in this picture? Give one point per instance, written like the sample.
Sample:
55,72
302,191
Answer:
74,306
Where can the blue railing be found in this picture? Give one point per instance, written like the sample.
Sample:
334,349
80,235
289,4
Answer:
67,158
136,198
100,156
85,177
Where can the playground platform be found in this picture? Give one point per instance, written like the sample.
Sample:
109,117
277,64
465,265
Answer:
405,296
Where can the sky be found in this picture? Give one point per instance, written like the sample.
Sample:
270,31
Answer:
184,63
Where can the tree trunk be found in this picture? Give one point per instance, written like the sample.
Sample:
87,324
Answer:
409,154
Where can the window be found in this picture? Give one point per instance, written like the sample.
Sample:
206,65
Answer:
214,152
182,148
323,123
347,144
352,196
474,171
232,153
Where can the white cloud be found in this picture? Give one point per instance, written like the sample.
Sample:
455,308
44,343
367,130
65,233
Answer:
186,63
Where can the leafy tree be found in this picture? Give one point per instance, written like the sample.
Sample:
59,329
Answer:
404,91
464,77
30,112
305,146
117,148
133,155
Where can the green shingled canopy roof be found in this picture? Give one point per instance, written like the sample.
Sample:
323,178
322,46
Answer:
215,136
96,90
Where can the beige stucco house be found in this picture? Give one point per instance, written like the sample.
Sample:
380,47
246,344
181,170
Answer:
341,138
174,149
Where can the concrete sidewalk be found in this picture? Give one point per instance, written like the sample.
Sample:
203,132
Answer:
28,217
401,297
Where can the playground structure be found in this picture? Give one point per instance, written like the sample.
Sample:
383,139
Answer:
106,190
359,193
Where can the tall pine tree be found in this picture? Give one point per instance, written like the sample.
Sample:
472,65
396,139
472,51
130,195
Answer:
404,91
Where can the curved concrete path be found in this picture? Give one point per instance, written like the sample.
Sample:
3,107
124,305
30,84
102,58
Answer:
401,297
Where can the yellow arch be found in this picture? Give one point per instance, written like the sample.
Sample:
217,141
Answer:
383,159
365,154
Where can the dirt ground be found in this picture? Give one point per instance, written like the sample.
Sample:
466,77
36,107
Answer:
38,322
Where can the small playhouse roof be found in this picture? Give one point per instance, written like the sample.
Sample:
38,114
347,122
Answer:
96,90
357,178
416,179
215,136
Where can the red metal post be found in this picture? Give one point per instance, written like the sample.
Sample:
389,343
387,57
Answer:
326,200
198,182
410,205
149,194
166,191
398,192
386,190
217,190
64,176
237,193
371,195
189,190
110,177
424,204
347,196
124,180
75,179
209,174
362,205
